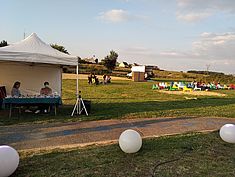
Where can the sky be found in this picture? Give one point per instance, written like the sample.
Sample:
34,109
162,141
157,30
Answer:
177,35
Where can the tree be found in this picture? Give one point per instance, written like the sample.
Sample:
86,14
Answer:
3,43
60,48
110,61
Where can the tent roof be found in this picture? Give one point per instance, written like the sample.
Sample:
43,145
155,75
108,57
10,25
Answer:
33,49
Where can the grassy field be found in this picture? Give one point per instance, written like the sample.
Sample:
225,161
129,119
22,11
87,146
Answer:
127,99
183,155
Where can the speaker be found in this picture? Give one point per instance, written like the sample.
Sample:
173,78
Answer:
88,107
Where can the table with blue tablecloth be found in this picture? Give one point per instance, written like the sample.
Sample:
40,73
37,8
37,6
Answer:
34,101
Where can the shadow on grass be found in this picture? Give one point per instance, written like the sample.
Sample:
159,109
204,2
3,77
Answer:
101,111
114,110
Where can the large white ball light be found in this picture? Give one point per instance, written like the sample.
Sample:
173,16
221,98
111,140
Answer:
130,141
227,133
9,160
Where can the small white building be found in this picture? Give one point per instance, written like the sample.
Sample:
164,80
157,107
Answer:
138,73
90,60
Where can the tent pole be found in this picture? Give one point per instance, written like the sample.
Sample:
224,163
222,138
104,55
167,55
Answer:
78,107
77,85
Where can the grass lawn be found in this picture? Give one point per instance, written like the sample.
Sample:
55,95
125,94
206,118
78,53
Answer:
181,155
127,99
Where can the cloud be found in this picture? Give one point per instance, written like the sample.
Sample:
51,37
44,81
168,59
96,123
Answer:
197,10
198,5
119,15
215,49
193,17
171,53
138,50
217,46
208,46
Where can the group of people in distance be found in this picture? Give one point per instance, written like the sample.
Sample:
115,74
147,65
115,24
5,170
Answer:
202,85
107,79
92,78
45,91
209,86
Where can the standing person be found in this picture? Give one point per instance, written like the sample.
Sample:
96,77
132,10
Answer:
15,92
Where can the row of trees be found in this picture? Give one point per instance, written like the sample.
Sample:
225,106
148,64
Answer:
60,48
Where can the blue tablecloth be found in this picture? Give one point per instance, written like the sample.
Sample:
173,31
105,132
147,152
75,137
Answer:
32,101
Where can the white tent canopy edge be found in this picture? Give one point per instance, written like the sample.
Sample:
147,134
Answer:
32,62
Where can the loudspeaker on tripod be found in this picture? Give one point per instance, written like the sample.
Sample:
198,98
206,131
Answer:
87,105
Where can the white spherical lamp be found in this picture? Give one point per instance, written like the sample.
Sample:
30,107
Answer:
227,133
130,141
9,160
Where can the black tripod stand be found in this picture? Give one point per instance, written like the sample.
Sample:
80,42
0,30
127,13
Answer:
79,105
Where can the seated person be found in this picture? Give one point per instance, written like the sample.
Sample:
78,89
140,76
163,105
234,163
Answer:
104,78
97,80
93,78
45,91
90,79
15,92
218,86
108,79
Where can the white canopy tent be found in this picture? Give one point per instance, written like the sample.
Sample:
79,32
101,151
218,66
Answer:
32,62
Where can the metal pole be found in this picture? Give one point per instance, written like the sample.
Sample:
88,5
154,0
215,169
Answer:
77,85
79,100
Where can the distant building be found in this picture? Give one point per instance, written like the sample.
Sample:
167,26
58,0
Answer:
90,60
153,67
124,64
138,73
135,64
149,69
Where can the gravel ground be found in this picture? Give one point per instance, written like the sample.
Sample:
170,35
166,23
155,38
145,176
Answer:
78,134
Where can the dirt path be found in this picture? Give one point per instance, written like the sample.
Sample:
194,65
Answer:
77,134
195,93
